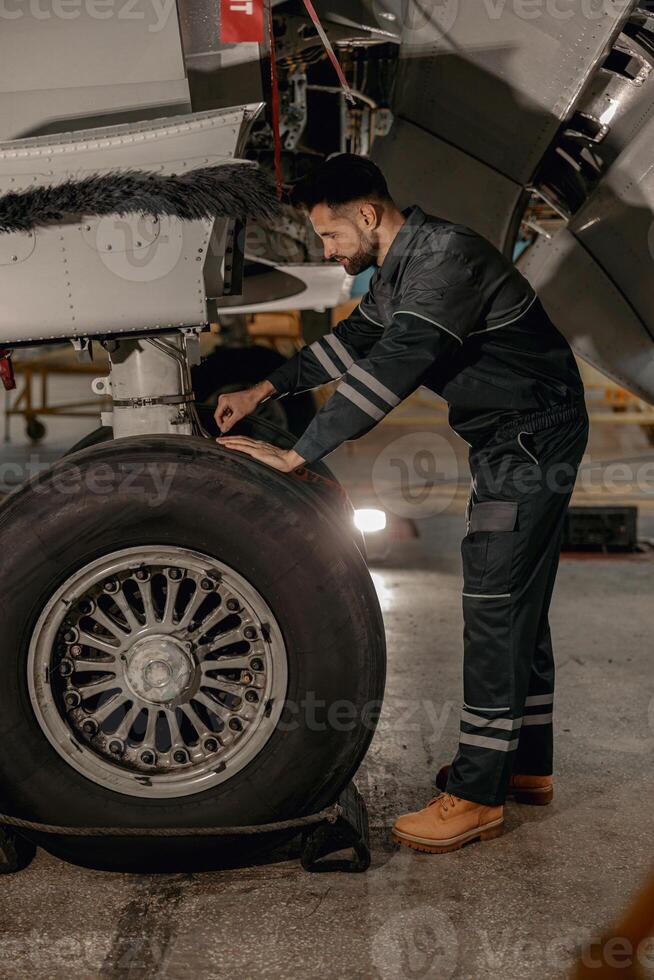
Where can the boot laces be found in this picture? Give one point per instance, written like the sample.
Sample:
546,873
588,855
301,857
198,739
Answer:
445,801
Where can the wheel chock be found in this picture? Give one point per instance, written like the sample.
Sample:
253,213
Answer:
350,831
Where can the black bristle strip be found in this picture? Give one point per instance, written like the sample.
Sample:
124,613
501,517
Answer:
237,190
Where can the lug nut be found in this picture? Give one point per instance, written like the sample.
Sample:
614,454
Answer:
256,664
111,585
90,727
142,574
233,605
250,633
70,636
148,758
235,724
207,585
66,668
72,699
175,573
116,747
251,696
86,607
180,756
210,745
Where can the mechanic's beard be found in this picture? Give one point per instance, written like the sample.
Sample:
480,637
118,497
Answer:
364,257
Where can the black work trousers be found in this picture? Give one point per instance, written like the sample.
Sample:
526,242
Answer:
522,480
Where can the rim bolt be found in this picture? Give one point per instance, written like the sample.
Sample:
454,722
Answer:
250,633
233,605
116,747
210,745
66,668
70,636
90,727
86,607
235,724
75,650
180,756
111,585
251,696
256,664
175,573
246,678
142,574
148,758
72,699
207,585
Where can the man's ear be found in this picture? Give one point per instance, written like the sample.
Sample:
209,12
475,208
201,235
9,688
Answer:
370,216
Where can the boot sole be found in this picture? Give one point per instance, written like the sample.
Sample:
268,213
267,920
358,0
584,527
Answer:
488,832
533,797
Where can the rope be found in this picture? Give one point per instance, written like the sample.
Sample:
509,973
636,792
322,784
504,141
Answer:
275,110
328,815
347,92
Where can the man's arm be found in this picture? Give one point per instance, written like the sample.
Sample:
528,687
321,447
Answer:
328,358
325,360
437,310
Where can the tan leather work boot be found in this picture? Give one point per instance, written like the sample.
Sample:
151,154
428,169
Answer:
447,823
533,790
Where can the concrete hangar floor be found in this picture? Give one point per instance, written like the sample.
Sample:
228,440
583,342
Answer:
519,907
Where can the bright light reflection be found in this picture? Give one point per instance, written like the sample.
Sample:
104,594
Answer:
608,114
369,520
384,594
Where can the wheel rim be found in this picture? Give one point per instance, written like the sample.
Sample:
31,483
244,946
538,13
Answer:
157,672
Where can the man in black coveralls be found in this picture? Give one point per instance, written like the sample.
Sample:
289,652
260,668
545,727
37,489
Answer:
447,310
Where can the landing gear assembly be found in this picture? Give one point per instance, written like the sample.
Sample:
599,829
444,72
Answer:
182,624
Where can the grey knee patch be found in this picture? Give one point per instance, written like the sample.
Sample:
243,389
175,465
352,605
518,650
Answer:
494,515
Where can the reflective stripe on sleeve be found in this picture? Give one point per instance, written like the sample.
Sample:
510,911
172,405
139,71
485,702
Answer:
325,360
339,350
361,402
374,385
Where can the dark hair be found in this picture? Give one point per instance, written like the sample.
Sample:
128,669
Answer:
342,179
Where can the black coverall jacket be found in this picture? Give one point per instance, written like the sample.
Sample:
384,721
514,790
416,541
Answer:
445,310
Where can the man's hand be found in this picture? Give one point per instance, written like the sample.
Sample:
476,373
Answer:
284,460
237,404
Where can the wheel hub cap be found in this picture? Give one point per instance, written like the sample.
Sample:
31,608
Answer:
158,669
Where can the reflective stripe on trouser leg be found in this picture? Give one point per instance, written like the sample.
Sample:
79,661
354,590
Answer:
503,634
534,756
